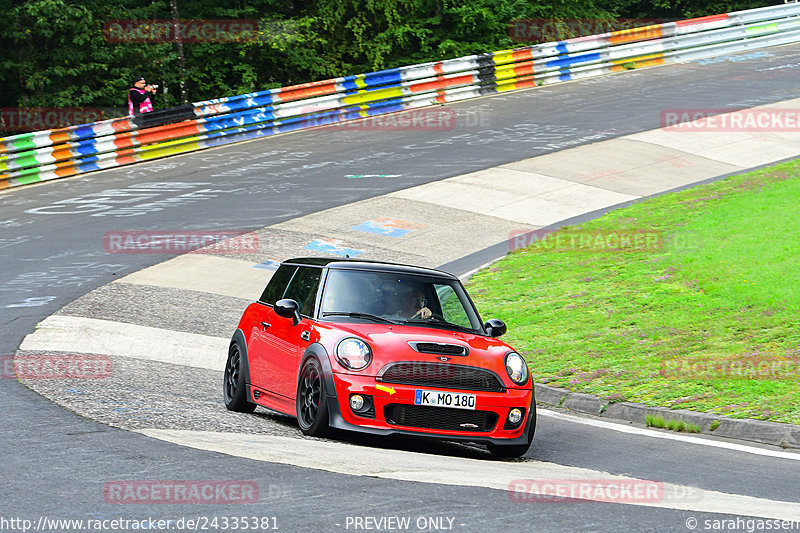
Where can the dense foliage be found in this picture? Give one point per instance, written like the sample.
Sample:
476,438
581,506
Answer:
56,54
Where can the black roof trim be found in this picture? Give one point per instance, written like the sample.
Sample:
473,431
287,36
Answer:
309,261
365,264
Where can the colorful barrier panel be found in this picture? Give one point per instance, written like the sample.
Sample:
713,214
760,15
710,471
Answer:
50,154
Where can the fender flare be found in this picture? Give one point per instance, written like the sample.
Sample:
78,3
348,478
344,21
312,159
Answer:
318,351
321,354
238,337
530,426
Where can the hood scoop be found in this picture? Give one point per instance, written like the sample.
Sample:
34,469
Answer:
440,348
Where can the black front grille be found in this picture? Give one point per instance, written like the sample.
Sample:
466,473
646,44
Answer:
442,375
423,416
369,413
438,348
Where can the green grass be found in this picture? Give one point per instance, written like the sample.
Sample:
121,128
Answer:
706,321
672,425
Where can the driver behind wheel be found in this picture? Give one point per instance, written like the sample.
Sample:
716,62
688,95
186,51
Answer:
420,303
409,303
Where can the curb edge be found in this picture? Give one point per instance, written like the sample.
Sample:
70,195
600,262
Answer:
779,434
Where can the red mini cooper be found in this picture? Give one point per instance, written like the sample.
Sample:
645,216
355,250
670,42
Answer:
380,348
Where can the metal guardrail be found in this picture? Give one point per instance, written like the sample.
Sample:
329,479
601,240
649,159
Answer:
50,154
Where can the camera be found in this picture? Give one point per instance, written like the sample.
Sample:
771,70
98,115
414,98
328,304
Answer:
154,86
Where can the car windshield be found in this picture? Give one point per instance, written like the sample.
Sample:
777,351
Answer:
398,298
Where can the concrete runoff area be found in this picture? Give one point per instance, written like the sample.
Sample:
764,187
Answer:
628,165
202,273
81,335
525,198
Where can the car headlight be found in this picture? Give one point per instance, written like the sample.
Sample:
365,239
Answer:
353,354
517,368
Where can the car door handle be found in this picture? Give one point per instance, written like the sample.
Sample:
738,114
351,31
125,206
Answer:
306,335
265,325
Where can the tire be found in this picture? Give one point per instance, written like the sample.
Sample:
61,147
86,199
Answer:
312,400
234,388
512,451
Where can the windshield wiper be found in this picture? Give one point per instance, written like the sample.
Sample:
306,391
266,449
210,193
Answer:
437,322
361,315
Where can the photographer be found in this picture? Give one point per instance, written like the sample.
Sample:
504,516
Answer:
139,97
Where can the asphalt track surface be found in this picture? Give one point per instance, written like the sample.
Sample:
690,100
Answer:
52,253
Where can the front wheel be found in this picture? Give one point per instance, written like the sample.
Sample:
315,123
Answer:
312,405
234,389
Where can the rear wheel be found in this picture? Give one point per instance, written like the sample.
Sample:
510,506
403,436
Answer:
234,388
312,406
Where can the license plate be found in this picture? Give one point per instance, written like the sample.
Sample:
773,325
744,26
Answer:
444,399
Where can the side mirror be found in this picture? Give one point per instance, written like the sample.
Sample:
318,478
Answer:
495,327
288,308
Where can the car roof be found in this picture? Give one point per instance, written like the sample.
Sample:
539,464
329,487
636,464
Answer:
364,264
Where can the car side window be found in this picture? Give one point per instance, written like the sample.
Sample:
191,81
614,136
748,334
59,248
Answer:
277,284
303,288
452,309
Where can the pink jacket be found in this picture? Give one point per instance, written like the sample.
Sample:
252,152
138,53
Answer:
144,107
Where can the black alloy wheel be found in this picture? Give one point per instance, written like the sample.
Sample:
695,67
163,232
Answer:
312,406
234,388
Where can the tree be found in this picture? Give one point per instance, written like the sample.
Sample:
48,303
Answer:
56,53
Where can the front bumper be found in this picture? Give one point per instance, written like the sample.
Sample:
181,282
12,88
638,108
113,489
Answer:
496,405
